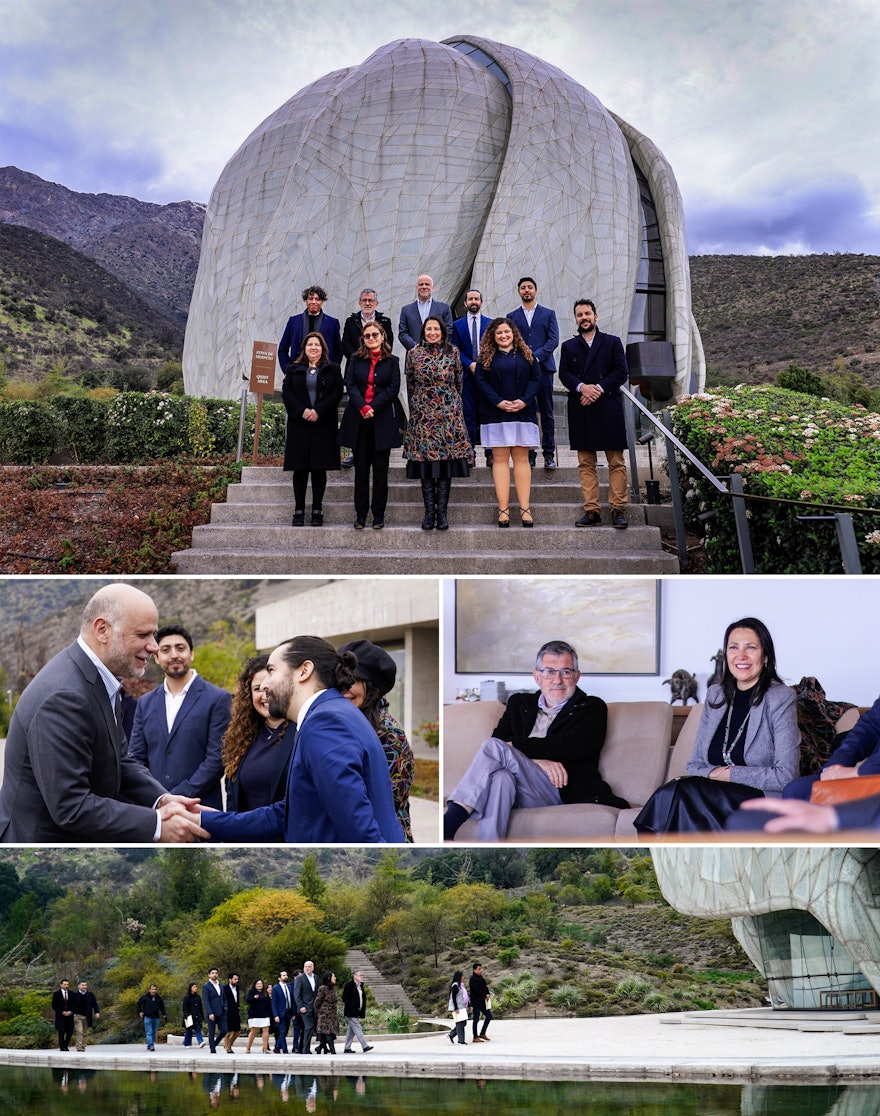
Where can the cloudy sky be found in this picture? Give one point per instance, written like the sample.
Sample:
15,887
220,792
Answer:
767,110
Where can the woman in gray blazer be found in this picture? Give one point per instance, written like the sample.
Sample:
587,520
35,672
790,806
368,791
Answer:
748,741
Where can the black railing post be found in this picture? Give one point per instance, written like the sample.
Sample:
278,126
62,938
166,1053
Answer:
849,548
741,519
675,491
629,417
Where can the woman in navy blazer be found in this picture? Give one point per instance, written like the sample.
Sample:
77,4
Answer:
256,747
311,392
370,422
508,379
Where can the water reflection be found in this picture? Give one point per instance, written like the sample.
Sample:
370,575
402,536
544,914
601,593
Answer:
150,1093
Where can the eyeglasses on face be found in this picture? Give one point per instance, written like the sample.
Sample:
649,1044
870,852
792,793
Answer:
371,336
566,673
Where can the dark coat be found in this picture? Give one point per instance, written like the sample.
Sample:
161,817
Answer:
290,345
599,425
574,739
489,392
84,1003
151,1007
386,387
353,328
351,1005
233,1008
479,991
59,1007
326,1010
67,776
192,1005
311,445
188,759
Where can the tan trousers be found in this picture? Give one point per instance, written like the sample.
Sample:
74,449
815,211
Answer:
81,1030
590,481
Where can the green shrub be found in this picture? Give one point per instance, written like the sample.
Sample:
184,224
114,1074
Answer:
787,446
508,956
795,378
29,432
567,996
83,427
480,937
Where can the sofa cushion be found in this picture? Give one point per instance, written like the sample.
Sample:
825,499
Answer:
633,760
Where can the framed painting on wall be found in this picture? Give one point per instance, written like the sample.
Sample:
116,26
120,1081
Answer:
613,624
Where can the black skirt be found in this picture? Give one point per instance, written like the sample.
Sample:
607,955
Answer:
692,804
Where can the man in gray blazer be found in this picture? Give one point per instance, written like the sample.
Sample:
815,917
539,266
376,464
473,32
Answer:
305,988
413,315
67,775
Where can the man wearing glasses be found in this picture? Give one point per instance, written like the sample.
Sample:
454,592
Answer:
543,752
354,323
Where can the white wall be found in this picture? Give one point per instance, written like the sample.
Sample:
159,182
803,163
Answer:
825,626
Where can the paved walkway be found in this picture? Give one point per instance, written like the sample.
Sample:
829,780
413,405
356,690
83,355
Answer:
752,1045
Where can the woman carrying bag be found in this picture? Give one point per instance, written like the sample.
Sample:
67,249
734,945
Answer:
458,1005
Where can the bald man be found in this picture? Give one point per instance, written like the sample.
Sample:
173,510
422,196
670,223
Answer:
68,777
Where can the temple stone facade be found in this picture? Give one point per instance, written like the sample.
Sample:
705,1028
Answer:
467,159
808,918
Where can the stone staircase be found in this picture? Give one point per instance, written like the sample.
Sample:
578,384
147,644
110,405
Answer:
251,533
384,991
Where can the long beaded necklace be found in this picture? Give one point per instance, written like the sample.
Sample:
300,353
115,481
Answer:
728,745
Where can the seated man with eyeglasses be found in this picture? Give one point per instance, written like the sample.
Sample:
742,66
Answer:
543,752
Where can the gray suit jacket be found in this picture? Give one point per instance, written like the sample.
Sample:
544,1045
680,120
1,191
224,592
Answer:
772,745
67,776
409,330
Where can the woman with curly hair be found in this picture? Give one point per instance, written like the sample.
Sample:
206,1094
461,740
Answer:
326,1014
436,446
376,672
256,747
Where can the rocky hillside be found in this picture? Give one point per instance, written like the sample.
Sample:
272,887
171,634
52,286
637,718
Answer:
153,249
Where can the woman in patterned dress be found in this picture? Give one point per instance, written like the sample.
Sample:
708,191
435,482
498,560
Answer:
376,672
436,447
326,1014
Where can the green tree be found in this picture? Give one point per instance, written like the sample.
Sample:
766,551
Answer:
10,889
310,883
218,659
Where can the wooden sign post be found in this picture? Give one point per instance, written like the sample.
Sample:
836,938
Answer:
263,364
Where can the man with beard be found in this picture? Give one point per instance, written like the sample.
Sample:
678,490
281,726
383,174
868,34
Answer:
178,727
338,784
67,774
543,752
467,332
540,331
593,367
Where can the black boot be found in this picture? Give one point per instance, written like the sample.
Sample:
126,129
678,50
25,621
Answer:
429,496
443,487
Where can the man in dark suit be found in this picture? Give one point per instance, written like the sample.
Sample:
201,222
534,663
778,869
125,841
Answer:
413,315
354,1008
85,1012
282,1011
540,331
214,1003
312,320
543,752
338,784
305,988
178,727
354,323
466,334
593,367
232,995
62,1005
67,774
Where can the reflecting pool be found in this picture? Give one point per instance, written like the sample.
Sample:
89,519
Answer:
27,1090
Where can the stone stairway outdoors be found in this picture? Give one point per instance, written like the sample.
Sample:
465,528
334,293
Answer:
384,992
251,533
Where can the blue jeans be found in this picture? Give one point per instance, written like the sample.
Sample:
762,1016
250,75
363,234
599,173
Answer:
188,1035
151,1029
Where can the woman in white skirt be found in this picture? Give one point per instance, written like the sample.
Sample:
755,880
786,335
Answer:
508,378
259,1012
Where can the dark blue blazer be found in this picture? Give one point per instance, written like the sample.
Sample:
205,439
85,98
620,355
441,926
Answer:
280,1010
461,338
338,786
291,340
862,743
489,393
409,328
599,425
542,337
188,759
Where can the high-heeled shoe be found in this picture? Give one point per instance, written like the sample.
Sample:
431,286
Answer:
506,521
522,517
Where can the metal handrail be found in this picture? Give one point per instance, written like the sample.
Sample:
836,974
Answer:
842,513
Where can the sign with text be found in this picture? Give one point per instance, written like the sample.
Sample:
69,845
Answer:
263,365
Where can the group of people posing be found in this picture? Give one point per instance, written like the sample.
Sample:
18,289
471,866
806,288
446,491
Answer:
744,773
304,1007
476,380
309,750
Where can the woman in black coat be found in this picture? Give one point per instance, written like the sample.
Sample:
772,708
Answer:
370,422
311,391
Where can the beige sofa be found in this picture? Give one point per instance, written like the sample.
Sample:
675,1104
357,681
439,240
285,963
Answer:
636,759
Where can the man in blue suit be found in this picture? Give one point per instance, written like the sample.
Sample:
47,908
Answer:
338,784
282,1010
413,315
214,1003
178,727
312,320
540,331
466,334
